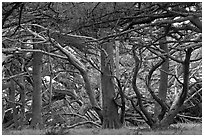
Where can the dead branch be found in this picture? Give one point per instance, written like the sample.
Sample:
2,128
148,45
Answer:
192,96
75,114
83,123
197,118
14,76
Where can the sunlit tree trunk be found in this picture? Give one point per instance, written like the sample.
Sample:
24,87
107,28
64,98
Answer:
36,96
110,109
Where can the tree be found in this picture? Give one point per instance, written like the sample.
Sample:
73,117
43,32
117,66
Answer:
163,85
37,89
110,109
78,42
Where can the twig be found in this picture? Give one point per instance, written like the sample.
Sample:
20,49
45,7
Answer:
192,95
11,50
198,118
14,76
146,25
94,65
13,102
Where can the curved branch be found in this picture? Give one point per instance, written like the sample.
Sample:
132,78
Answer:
148,84
137,92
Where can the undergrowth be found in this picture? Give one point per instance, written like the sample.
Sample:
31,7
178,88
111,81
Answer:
177,129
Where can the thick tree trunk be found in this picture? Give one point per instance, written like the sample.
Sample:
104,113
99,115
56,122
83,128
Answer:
37,99
110,110
163,82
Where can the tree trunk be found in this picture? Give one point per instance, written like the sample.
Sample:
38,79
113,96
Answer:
37,100
110,109
180,98
117,58
13,105
163,82
3,112
23,96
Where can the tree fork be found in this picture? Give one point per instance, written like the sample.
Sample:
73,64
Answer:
177,104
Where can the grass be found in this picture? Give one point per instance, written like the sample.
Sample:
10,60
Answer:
178,129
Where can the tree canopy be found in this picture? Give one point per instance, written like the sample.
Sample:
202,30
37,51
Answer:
63,60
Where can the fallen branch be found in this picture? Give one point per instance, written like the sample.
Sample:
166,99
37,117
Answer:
74,114
197,118
192,95
82,123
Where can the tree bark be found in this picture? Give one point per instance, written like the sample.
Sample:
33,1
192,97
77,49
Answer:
23,101
13,105
117,58
110,110
196,21
36,95
163,85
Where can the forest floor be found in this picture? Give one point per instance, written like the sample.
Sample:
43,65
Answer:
177,129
